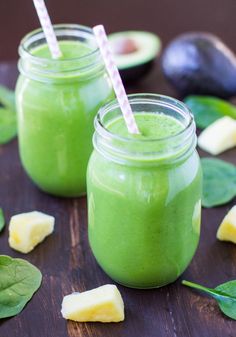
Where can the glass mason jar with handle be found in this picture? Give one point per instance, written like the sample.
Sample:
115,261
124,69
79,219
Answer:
144,192
57,100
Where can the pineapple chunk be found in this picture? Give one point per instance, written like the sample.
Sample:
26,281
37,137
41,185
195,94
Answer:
103,304
26,230
219,136
227,229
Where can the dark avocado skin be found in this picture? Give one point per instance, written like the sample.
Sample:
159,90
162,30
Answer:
200,64
136,73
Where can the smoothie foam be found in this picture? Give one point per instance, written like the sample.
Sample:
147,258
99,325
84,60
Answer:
151,126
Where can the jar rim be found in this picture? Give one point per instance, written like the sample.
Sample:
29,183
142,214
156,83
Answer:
38,33
144,97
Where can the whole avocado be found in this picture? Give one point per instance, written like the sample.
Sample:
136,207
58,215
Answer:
201,64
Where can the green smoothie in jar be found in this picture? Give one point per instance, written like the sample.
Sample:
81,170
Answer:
144,192
57,101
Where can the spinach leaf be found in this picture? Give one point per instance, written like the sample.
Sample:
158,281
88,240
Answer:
227,302
19,280
207,109
219,182
8,125
7,98
2,220
224,294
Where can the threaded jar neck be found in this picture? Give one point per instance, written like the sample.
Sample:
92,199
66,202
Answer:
146,151
48,69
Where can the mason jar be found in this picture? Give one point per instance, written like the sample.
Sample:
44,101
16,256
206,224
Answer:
57,100
144,192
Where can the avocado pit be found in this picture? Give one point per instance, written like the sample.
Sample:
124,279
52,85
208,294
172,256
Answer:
124,46
134,53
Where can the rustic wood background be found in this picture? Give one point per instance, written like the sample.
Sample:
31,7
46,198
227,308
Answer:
65,258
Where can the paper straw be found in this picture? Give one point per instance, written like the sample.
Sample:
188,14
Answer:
113,72
47,28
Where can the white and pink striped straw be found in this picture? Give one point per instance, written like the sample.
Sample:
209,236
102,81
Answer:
113,72
47,28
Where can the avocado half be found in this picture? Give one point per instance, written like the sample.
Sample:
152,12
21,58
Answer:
134,52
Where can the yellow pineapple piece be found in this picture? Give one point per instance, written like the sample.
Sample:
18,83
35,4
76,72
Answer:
102,304
26,230
219,136
227,229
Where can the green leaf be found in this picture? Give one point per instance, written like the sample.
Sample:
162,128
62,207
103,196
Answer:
219,182
228,305
207,109
7,98
2,220
19,280
8,125
224,294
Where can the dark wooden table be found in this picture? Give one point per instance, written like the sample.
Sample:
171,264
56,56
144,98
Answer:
65,258
67,263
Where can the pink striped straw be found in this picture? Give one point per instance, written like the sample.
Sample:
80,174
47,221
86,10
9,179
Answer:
47,28
113,72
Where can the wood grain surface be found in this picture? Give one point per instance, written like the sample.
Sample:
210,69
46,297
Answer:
65,258
67,265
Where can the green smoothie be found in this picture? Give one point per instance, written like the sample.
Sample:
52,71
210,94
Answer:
57,101
144,214
151,126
